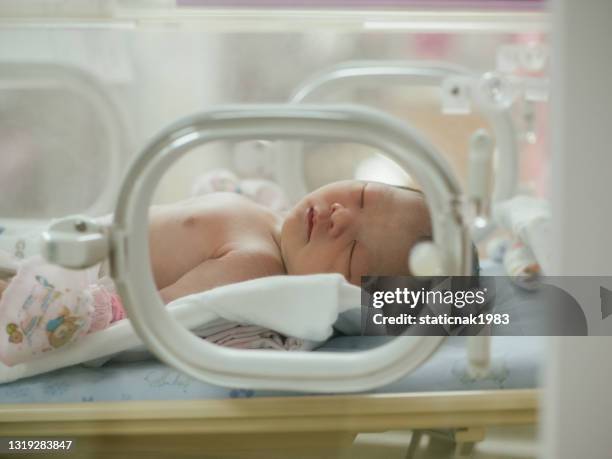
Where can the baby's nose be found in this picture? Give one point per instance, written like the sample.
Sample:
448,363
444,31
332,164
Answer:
341,220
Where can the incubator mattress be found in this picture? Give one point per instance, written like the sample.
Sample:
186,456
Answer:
517,362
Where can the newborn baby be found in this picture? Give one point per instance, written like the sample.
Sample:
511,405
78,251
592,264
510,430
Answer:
353,228
350,227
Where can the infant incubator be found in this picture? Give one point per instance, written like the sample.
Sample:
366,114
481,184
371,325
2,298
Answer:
109,107
114,94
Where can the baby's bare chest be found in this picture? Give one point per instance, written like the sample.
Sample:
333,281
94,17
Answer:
183,236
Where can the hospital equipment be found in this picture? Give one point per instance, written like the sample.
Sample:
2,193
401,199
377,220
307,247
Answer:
88,247
126,241
77,244
466,410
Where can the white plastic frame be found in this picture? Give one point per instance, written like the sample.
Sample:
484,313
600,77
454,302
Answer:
263,369
37,75
431,73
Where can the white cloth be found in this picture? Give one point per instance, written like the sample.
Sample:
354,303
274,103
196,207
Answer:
302,307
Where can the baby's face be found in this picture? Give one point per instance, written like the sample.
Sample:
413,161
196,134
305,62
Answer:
355,229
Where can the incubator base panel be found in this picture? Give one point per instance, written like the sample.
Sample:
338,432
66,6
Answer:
152,404
515,365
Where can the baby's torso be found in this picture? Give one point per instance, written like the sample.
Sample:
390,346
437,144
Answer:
185,234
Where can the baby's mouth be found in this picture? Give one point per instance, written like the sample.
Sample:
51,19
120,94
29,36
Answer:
310,221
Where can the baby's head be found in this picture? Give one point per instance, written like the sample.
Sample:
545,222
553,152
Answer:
354,228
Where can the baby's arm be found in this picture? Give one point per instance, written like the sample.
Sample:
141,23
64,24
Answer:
235,266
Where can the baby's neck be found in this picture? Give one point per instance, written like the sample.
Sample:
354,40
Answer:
275,232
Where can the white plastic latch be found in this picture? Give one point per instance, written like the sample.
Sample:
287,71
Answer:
456,95
75,242
494,91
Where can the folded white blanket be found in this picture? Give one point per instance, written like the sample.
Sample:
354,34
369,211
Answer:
301,307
